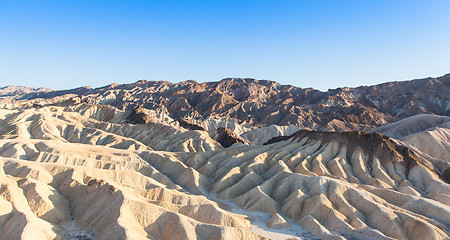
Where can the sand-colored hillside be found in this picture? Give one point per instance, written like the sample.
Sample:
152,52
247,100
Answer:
68,172
429,134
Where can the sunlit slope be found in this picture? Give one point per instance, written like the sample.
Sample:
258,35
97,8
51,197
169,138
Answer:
119,180
428,133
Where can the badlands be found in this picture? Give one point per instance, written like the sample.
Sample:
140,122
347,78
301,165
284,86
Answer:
234,159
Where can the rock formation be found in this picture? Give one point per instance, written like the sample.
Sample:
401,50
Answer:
139,116
226,137
186,123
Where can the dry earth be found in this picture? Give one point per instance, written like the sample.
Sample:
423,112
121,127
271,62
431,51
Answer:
117,180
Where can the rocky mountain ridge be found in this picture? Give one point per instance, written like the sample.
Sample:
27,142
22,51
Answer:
262,103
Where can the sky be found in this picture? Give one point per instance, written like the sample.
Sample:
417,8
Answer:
306,43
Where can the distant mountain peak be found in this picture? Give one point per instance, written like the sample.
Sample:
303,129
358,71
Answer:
12,90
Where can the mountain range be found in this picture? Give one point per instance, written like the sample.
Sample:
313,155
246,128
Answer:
262,102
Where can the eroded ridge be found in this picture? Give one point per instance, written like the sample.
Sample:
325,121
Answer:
335,185
62,164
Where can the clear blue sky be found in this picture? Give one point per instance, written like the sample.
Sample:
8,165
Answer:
311,43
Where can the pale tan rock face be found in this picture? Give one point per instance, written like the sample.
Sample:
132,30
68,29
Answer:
116,180
429,134
277,222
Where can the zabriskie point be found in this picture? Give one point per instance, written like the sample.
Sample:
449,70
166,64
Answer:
237,158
